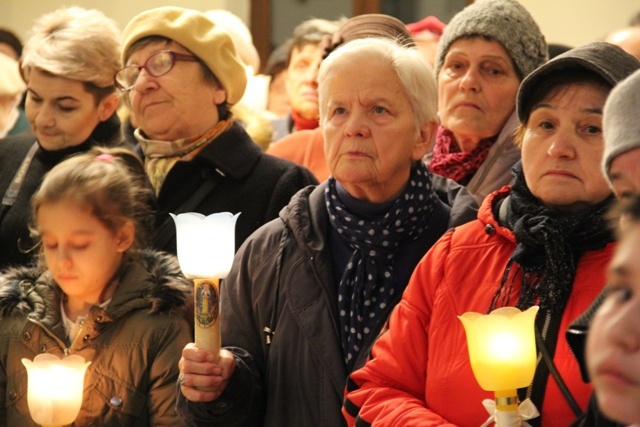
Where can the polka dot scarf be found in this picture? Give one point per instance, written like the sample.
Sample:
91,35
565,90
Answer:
368,284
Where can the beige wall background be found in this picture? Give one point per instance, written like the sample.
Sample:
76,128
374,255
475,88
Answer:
572,22
19,15
576,22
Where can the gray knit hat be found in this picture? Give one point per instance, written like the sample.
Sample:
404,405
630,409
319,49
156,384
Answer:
504,21
621,124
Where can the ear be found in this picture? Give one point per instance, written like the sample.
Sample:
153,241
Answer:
125,237
107,106
426,138
219,96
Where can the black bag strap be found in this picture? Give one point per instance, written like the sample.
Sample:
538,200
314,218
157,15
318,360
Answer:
11,194
166,230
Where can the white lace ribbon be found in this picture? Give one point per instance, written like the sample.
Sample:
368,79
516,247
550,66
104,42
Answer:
526,411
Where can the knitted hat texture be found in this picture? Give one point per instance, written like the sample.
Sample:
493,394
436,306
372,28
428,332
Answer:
505,21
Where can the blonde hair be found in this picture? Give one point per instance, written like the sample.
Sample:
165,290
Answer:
74,43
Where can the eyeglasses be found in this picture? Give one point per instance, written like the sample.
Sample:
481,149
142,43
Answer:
157,65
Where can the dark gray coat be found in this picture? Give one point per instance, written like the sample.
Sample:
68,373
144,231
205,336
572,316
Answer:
282,280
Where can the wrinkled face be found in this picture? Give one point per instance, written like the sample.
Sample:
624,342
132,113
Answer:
562,148
301,84
613,344
81,253
477,87
371,136
179,104
624,173
61,112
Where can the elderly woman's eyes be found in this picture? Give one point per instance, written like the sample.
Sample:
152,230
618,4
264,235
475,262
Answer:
379,110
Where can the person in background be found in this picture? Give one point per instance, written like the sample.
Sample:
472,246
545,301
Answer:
303,60
12,118
306,147
483,55
10,44
543,241
181,75
628,38
97,294
622,138
68,64
276,68
250,110
613,349
622,169
426,33
308,292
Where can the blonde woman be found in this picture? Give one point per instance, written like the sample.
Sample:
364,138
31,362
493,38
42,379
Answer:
68,63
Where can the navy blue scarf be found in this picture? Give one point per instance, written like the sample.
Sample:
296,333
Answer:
368,284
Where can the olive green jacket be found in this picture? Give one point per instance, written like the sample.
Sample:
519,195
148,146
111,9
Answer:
134,345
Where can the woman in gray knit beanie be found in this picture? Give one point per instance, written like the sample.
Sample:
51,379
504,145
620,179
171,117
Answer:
621,160
485,52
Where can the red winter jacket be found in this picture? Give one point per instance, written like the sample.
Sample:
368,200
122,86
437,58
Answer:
419,371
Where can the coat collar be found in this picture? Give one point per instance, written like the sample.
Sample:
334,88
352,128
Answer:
233,153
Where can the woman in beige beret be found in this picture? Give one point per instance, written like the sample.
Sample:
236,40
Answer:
180,74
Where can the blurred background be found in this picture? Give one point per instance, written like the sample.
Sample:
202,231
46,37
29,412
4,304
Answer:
570,22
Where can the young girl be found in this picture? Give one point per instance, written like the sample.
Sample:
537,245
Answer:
96,294
613,344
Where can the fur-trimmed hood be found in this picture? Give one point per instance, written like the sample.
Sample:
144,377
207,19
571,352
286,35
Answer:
150,279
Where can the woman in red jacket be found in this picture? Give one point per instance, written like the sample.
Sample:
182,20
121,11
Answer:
544,241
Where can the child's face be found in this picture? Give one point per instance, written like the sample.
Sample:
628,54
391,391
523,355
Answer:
613,346
81,253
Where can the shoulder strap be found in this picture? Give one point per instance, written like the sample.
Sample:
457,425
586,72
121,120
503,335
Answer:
11,194
166,230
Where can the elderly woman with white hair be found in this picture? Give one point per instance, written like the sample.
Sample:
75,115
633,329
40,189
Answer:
68,64
308,292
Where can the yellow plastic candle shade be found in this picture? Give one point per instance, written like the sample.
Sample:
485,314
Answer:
54,388
502,347
205,244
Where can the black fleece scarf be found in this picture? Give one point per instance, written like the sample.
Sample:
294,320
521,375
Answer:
550,244
368,284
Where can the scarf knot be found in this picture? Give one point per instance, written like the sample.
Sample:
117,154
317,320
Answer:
549,246
161,156
368,284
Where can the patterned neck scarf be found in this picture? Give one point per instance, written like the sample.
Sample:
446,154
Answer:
300,123
368,284
161,156
449,161
550,244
